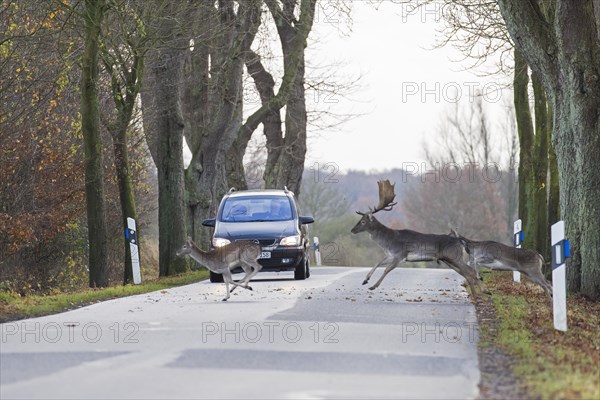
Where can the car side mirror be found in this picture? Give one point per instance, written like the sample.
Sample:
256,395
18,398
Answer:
209,222
306,220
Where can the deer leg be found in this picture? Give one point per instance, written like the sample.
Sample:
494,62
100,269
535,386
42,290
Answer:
246,271
470,276
388,269
477,268
379,264
233,283
475,281
228,279
538,278
226,290
255,268
243,282
250,270
548,290
473,264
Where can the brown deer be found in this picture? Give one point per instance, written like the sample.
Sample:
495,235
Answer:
223,259
501,257
409,246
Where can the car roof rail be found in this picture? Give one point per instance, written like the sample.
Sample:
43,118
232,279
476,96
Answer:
231,190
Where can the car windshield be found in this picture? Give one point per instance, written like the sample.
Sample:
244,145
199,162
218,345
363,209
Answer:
256,208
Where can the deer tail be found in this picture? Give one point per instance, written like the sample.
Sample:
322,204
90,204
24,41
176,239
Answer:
543,261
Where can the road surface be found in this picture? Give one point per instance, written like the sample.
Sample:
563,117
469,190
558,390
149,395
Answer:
325,337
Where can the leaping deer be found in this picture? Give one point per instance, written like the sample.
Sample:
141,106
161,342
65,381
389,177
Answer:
223,259
501,257
409,246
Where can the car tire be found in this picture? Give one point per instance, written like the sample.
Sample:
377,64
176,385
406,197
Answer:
301,272
216,278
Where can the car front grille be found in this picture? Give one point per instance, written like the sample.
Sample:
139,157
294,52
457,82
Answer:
262,242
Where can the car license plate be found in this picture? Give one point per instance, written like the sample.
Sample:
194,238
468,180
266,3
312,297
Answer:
265,254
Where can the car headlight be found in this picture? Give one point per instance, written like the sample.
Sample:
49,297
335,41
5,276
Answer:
290,241
220,242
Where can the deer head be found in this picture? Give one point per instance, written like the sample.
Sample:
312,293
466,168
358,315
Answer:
386,202
186,248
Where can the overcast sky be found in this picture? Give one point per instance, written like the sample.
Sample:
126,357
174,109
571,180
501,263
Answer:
405,89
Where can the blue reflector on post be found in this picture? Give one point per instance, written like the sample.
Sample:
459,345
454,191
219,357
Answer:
567,248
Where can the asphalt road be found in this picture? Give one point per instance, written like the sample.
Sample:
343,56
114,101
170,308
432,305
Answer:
326,337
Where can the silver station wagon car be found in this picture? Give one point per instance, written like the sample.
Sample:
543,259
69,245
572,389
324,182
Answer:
270,218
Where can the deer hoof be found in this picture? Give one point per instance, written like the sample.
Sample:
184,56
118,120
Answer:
365,281
373,288
225,299
249,287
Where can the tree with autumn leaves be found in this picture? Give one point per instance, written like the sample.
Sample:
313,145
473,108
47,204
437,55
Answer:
43,231
41,194
110,46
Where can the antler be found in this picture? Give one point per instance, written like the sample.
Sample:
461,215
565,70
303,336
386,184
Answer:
386,197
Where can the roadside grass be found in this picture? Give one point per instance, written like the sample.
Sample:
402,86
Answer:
549,364
14,307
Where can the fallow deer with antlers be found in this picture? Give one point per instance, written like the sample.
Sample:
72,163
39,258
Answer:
409,246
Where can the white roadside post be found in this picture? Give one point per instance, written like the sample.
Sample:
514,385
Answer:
518,237
317,251
131,236
560,251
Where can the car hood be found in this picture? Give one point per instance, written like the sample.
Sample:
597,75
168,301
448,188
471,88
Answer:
256,230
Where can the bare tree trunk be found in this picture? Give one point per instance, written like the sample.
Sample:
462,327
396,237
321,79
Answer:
214,124
291,158
271,121
171,221
164,129
512,191
285,162
127,200
564,50
525,130
90,126
124,80
285,157
553,189
538,221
